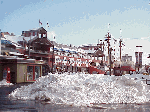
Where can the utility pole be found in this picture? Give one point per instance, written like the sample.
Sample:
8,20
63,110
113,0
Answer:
120,47
52,60
29,45
110,60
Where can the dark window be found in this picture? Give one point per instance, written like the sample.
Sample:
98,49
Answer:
51,59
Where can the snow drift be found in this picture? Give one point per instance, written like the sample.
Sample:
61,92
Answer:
85,89
4,83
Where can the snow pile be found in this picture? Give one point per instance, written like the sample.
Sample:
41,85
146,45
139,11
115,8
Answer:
85,89
5,83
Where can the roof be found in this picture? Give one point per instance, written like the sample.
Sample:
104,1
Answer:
9,39
10,49
40,30
43,41
5,42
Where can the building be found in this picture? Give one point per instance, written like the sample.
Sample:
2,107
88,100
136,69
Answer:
49,56
126,58
60,57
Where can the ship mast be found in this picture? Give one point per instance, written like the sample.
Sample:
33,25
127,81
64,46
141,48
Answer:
109,50
120,44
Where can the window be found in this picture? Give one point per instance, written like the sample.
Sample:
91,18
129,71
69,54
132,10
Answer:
30,73
36,34
33,33
37,72
33,72
52,60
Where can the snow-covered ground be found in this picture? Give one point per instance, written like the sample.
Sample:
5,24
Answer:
86,89
4,83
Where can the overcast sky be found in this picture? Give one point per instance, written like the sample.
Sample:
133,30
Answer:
80,21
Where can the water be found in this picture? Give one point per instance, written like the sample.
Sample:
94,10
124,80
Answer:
79,93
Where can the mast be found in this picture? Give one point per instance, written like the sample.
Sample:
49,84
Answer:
120,43
109,50
120,48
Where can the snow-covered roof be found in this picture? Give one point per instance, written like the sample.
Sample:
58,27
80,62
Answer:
15,53
12,39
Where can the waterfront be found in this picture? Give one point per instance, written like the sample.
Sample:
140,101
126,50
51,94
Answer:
137,92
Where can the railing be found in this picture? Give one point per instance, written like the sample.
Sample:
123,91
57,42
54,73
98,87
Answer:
147,81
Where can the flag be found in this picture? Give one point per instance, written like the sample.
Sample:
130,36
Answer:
47,24
40,22
115,40
123,44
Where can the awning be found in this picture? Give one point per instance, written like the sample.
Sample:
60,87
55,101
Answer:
61,50
55,49
67,50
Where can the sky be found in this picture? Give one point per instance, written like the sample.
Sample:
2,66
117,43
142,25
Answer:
80,22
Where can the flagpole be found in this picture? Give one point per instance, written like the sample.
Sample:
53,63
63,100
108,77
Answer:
39,23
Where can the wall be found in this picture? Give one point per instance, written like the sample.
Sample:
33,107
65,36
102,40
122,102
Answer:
21,72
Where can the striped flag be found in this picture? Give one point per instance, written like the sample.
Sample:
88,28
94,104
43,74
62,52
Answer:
40,23
123,44
115,40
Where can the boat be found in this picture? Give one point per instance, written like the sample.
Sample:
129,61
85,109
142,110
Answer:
96,68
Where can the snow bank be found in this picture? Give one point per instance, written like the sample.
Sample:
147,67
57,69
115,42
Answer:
4,83
85,89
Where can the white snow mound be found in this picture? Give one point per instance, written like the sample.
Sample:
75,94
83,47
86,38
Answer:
85,89
5,83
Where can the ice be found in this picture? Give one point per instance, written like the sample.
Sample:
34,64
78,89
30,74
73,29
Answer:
85,89
5,83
